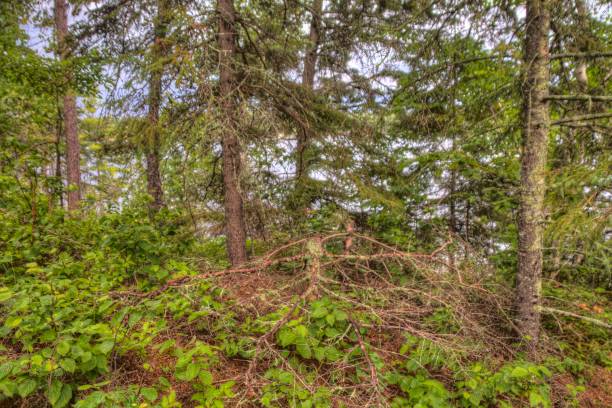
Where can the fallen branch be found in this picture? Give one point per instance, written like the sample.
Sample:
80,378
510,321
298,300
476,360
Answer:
596,322
373,374
260,264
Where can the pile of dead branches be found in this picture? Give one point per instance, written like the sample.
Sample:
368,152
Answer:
398,291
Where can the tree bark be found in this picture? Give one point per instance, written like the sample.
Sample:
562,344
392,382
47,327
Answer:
234,214
533,167
582,45
154,182
58,190
73,147
306,135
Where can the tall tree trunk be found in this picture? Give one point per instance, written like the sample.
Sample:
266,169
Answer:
154,183
533,167
234,215
305,135
58,158
73,147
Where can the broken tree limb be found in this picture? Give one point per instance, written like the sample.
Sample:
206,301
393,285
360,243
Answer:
314,250
550,310
364,350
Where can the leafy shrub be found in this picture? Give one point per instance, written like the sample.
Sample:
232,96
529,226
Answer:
285,390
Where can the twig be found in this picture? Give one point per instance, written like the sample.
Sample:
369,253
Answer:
373,374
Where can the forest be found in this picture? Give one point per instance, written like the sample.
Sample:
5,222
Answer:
305,203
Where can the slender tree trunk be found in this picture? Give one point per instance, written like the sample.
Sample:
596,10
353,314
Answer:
234,215
452,219
533,167
154,182
582,44
58,158
305,135
70,110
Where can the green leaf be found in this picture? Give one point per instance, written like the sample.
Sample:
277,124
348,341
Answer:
68,364
319,312
340,315
93,400
206,377
166,345
8,389
55,391
5,369
304,350
285,377
519,372
26,388
301,331
63,347
149,393
106,346
286,337
105,306
13,322
90,386
65,396
191,372
331,332
536,399
86,356
5,294
319,353
332,353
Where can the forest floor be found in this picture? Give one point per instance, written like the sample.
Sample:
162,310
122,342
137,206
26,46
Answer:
326,321
441,309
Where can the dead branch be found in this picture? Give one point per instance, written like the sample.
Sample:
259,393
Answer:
596,322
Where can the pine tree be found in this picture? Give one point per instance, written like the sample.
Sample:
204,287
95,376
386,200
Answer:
533,171
234,214
70,113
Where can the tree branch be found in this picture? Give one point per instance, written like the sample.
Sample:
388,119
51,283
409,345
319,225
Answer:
602,98
589,55
580,118
596,322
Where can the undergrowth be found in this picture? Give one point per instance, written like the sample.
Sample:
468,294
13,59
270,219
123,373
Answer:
116,311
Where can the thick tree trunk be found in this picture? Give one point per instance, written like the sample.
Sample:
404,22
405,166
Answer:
533,167
73,147
305,134
234,215
154,183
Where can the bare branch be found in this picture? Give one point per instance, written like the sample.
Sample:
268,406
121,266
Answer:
601,98
581,118
596,322
589,55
